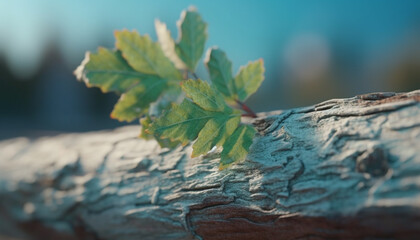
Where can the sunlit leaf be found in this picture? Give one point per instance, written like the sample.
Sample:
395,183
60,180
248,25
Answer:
206,119
237,146
182,122
215,133
108,70
204,95
144,55
147,75
193,36
136,101
145,123
220,70
238,88
139,71
185,121
167,44
249,79
164,143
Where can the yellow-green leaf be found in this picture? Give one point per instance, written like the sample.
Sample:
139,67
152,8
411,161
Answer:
167,44
245,83
193,36
208,120
196,118
164,143
215,133
220,70
182,122
236,147
107,70
145,123
147,74
136,101
144,55
204,95
249,79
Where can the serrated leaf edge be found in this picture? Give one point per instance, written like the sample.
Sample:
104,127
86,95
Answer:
167,44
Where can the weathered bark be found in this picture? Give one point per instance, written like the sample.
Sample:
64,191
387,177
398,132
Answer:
345,168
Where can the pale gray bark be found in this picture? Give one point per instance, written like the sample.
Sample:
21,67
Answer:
345,168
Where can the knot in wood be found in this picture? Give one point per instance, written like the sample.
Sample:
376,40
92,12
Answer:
373,161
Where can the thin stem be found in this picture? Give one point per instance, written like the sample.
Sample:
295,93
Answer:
249,112
194,75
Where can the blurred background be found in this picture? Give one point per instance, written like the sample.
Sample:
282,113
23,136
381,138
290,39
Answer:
312,50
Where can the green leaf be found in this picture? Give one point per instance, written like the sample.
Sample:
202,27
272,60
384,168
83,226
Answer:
136,101
145,123
193,36
167,44
246,82
144,55
208,120
164,143
185,121
204,95
215,133
107,70
182,122
249,79
146,74
220,70
237,146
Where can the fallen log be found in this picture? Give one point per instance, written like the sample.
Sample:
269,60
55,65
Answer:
344,168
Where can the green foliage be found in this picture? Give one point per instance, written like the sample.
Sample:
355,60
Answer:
152,79
220,70
136,101
237,145
193,38
240,87
138,69
249,79
146,123
144,55
206,118
107,70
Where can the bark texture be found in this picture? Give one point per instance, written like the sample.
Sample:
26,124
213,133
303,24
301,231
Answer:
345,168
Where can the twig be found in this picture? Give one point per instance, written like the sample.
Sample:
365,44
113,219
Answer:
249,112
194,75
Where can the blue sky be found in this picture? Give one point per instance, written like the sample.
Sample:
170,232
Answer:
312,50
246,29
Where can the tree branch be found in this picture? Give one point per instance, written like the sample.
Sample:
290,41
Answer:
344,168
